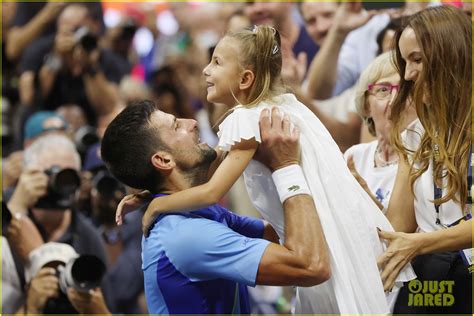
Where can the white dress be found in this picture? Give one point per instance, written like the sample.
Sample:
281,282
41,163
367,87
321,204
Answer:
349,217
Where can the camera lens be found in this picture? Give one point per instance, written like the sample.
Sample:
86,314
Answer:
85,137
66,182
87,271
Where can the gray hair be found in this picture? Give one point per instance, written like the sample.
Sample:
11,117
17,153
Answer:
50,143
380,67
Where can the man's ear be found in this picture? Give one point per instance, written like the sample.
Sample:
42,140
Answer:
163,161
248,77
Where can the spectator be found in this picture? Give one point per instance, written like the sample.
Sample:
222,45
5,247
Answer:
280,16
55,216
377,161
124,278
73,69
432,188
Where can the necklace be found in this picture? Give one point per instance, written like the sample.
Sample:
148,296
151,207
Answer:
380,162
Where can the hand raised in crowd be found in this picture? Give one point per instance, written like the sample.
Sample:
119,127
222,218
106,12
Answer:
53,8
12,169
31,186
130,203
350,16
293,67
92,302
43,286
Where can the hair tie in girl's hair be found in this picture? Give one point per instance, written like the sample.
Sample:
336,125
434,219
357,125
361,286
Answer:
254,29
275,49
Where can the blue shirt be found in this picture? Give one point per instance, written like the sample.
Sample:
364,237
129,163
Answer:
200,262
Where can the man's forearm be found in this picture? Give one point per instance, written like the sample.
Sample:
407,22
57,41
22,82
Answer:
322,75
19,37
303,231
102,94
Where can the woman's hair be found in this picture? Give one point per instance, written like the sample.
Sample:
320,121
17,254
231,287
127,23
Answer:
380,67
444,36
260,51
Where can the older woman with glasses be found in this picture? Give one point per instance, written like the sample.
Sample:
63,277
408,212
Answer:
377,161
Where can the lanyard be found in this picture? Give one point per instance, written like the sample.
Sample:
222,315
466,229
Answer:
438,191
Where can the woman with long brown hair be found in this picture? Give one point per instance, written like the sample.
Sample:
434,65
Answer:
431,205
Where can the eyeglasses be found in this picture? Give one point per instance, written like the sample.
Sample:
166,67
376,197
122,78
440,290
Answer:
382,90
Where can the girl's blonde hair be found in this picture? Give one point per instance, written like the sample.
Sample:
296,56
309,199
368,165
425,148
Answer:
260,51
444,36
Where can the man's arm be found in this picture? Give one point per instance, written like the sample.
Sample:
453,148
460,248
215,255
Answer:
323,72
20,36
303,259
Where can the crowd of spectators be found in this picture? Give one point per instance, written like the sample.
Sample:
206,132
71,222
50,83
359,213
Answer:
69,68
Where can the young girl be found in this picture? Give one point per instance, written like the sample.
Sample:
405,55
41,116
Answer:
245,69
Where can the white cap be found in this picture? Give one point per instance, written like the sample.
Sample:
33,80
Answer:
49,252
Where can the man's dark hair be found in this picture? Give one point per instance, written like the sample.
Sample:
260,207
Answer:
129,143
393,25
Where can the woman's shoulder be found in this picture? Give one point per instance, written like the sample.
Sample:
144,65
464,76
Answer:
361,149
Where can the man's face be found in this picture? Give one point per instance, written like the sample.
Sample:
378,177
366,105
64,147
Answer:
318,19
182,137
56,158
268,13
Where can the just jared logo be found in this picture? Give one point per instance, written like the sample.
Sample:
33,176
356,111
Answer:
430,293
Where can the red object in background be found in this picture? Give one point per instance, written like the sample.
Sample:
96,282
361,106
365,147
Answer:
455,3
133,9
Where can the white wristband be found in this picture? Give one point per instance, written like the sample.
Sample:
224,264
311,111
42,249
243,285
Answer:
290,181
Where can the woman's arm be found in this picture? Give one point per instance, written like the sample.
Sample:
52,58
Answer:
401,208
211,192
404,247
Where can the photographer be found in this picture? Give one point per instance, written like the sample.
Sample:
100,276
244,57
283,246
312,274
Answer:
72,68
123,281
45,193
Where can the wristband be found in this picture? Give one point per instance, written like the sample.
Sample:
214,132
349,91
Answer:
290,181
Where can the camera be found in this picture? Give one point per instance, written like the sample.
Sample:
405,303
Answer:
81,272
106,184
85,137
84,37
129,28
62,186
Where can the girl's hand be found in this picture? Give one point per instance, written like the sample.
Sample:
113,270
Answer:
148,219
131,203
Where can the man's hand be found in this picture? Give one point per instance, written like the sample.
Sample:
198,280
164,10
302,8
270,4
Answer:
43,286
12,169
293,68
350,16
23,236
88,303
32,185
280,142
